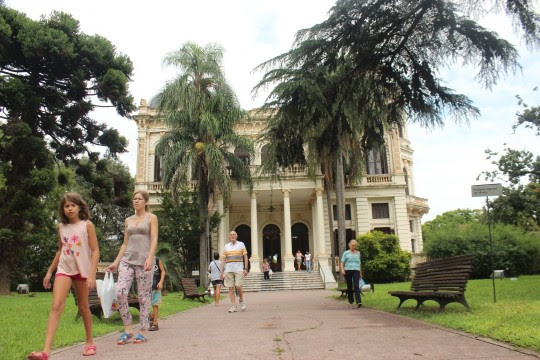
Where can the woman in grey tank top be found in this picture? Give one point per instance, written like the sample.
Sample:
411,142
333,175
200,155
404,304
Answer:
135,260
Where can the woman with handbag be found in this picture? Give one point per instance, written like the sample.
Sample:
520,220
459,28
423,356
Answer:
350,267
214,269
136,260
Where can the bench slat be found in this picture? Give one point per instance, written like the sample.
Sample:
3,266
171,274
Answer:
441,280
190,289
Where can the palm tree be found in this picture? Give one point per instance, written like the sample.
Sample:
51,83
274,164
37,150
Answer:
201,109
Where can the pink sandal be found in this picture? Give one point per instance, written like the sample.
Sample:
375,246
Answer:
89,350
38,355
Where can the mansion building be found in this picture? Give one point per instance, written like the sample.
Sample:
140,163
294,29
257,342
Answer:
280,217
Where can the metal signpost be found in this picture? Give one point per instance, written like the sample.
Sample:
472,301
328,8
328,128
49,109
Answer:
488,190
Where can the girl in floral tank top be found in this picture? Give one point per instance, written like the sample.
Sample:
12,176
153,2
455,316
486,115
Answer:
75,263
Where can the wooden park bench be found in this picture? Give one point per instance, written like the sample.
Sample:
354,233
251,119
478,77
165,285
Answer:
93,299
191,291
441,280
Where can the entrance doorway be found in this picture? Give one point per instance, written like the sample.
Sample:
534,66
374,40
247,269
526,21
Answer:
244,235
272,246
300,240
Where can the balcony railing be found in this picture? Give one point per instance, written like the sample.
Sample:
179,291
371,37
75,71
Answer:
293,170
155,187
371,180
378,179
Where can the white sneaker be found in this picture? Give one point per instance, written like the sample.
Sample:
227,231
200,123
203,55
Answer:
233,309
242,306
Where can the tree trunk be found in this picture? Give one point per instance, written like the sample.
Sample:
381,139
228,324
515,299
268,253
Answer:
5,280
203,213
340,202
327,189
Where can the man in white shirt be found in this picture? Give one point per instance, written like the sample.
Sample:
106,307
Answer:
234,267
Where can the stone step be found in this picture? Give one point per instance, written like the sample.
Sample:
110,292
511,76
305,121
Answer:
298,280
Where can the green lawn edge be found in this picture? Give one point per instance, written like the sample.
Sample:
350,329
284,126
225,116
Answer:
24,319
512,319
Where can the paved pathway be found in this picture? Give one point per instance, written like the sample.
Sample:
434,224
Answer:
287,325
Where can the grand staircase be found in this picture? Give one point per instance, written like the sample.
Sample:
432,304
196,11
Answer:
297,280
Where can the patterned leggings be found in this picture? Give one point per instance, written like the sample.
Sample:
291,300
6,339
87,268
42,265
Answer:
126,273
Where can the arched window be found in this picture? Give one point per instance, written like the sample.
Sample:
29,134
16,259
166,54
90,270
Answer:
243,155
264,153
158,167
376,161
406,176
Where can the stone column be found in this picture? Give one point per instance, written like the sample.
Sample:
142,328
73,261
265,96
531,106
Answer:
221,228
315,248
254,260
322,256
320,223
288,258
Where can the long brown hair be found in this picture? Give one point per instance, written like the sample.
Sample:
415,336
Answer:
77,199
145,196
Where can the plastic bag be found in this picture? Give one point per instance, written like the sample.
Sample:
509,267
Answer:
107,295
361,283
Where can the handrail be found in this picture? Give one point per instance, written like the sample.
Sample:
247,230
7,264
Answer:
320,271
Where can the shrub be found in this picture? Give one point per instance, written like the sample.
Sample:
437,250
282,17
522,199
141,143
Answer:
382,258
514,250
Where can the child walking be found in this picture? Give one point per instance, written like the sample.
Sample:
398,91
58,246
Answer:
266,269
157,285
75,263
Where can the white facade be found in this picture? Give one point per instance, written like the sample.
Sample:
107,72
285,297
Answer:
278,218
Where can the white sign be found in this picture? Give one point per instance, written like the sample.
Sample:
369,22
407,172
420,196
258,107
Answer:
486,190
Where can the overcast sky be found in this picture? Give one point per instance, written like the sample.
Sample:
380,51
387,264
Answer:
446,160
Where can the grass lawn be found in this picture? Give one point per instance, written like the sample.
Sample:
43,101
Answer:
515,318
24,319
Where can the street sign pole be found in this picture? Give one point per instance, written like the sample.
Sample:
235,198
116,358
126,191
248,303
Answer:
491,251
488,190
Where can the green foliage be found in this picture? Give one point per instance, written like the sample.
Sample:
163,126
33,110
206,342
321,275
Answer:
454,217
514,250
382,258
51,74
519,206
28,172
